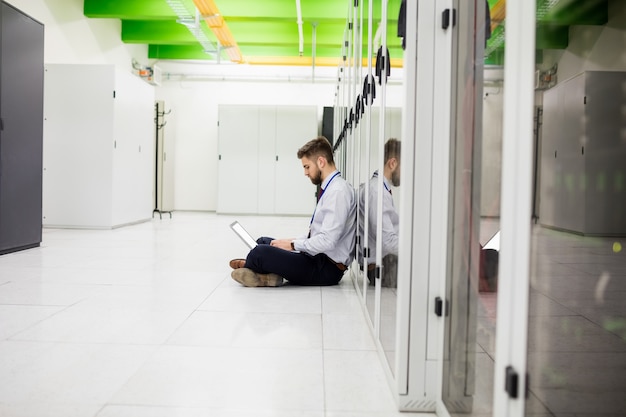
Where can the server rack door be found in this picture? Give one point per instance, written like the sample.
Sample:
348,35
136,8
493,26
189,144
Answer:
21,135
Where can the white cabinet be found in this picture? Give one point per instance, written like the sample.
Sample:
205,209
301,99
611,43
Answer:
583,154
98,147
259,171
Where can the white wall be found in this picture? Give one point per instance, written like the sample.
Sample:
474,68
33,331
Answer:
71,38
194,101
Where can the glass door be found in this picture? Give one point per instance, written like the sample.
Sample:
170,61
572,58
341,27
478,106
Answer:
489,238
471,287
576,355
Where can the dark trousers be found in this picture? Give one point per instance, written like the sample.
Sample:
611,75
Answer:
296,267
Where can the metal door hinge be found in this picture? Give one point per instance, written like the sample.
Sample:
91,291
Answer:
446,16
511,383
441,307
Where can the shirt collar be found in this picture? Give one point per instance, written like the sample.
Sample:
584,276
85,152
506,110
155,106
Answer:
329,179
385,182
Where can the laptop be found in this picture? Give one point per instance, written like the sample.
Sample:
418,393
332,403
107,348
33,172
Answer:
243,234
494,242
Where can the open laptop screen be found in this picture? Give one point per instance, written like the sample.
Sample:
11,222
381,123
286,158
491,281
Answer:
243,234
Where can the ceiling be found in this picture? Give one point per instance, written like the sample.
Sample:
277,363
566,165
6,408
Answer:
266,32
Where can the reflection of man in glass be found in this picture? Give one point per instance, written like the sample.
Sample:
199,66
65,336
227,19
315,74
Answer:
391,177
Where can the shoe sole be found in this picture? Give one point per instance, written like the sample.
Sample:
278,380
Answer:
248,278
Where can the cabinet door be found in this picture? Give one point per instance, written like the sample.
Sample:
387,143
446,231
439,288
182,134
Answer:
237,186
294,127
74,104
21,136
133,155
550,175
267,160
571,162
605,153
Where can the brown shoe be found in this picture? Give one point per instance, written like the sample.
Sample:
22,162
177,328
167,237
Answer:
237,263
249,278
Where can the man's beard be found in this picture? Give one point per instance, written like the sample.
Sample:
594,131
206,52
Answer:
317,179
395,178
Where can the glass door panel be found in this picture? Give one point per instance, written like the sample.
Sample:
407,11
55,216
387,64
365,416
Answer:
471,288
577,314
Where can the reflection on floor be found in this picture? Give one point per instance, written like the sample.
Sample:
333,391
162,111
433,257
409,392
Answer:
577,329
145,321
577,325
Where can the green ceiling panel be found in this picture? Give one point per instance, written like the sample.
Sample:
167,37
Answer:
156,32
312,10
284,33
574,12
128,9
549,36
269,27
496,57
178,52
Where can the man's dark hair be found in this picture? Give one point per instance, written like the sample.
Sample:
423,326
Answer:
392,149
319,146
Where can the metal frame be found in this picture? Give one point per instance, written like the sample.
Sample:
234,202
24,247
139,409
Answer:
516,210
416,376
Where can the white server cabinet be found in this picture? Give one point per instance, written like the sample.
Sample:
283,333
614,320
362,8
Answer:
98,147
583,153
259,172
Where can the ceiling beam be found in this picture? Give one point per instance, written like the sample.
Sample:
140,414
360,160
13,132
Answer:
128,9
156,32
574,12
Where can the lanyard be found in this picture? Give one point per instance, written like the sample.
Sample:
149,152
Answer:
384,183
321,194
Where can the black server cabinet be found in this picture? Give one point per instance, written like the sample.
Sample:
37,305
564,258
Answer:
21,129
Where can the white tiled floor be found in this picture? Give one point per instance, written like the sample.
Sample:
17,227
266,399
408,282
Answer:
145,321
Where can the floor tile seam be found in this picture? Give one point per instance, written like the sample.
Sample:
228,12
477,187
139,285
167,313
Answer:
601,326
251,312
138,367
32,305
344,314
575,313
66,307
202,408
585,318
551,298
82,343
490,353
183,321
256,349
374,349
247,347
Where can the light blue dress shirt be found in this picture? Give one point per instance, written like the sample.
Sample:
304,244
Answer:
333,225
390,218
